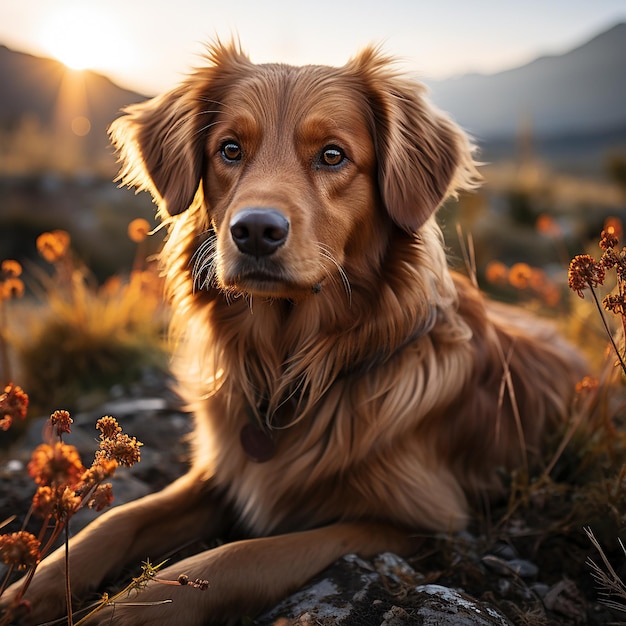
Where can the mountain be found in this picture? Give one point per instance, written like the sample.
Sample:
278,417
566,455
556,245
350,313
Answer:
52,117
44,101
581,92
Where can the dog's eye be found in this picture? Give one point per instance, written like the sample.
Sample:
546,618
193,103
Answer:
231,151
333,156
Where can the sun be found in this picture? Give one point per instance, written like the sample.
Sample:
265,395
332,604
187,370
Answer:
82,36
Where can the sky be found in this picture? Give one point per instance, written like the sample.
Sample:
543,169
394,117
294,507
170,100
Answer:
149,45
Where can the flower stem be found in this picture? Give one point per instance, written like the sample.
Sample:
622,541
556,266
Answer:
607,329
68,590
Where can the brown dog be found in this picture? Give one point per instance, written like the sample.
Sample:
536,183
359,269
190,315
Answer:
348,390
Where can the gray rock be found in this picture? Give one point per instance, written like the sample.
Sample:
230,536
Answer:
356,592
440,606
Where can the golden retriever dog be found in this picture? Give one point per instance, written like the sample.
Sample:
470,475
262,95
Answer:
349,391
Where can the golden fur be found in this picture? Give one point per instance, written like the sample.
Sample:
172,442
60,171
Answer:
392,389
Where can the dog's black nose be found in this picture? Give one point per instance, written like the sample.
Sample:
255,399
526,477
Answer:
259,232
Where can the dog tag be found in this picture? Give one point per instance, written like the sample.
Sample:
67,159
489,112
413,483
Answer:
257,443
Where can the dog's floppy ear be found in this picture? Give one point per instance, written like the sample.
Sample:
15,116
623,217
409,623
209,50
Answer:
161,141
423,157
161,149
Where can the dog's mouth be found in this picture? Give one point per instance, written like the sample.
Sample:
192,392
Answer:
269,283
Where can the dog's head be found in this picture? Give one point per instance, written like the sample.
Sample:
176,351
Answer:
293,171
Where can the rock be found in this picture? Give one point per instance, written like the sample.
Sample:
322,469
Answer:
382,592
441,606
513,567
565,599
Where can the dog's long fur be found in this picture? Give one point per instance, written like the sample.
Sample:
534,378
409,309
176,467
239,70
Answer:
392,389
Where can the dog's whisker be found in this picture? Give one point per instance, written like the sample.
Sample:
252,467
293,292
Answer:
326,253
203,268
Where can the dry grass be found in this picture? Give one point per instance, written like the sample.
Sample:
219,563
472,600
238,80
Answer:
72,337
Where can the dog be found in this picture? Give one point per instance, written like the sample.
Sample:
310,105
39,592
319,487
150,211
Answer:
350,392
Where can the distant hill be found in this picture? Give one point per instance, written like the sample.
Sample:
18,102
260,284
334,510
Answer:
41,96
577,93
573,104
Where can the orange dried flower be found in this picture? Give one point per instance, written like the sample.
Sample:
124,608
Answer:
608,239
587,384
13,405
138,230
20,549
102,497
547,225
61,502
121,448
43,502
115,445
613,225
520,275
100,470
496,272
53,465
108,427
66,503
10,269
584,272
54,245
11,288
616,303
61,422
10,285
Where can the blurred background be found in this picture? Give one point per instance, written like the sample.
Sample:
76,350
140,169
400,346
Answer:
540,86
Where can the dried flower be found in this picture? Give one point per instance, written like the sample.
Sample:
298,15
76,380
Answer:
138,230
615,303
613,225
102,497
587,385
61,422
608,239
520,275
20,549
66,503
55,465
108,427
496,272
13,405
100,470
60,502
115,445
10,269
54,245
121,448
548,226
43,502
584,272
11,288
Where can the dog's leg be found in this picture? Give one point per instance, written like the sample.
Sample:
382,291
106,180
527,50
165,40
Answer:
246,577
146,528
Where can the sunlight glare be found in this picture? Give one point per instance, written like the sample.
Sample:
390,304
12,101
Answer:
82,37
